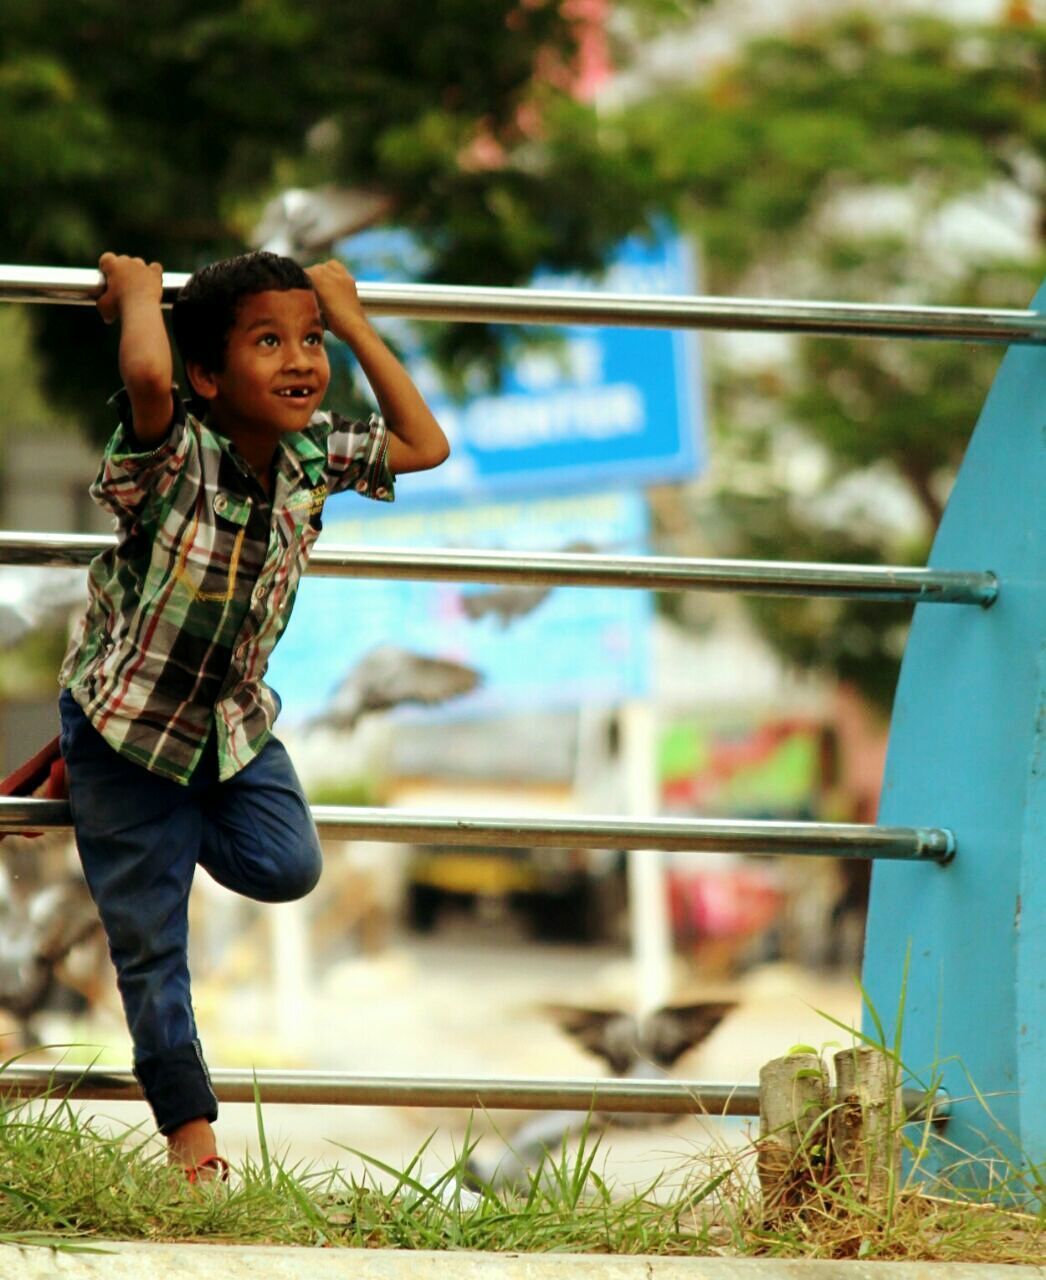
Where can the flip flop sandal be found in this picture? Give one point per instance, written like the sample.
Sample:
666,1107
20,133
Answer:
216,1162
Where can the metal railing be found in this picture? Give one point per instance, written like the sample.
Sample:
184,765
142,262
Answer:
581,569
465,303
688,835
884,583
335,1088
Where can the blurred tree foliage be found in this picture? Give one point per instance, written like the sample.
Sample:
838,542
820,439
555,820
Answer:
159,129
832,163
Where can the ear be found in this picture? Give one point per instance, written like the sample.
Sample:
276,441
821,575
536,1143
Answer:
202,381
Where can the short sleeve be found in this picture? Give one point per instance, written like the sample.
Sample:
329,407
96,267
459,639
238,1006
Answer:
129,475
357,457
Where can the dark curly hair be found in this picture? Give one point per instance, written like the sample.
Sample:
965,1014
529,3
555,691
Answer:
205,310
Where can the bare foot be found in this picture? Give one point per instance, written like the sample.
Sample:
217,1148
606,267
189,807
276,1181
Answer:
192,1143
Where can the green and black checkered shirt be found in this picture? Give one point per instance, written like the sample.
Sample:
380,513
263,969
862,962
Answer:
185,610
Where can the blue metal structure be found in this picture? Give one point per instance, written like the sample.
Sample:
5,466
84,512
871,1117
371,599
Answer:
964,945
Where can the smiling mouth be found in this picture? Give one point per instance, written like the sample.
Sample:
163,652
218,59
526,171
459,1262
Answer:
296,393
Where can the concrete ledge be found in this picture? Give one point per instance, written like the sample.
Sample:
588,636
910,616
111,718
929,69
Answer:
251,1262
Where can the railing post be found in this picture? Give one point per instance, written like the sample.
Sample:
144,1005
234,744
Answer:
964,946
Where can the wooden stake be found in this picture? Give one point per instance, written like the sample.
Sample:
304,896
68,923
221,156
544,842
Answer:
868,1110
793,1103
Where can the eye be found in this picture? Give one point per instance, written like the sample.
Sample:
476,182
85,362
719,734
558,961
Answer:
314,339
268,340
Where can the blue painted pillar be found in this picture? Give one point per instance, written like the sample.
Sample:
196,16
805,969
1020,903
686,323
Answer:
968,752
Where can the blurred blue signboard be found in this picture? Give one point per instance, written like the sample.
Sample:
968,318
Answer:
531,647
595,409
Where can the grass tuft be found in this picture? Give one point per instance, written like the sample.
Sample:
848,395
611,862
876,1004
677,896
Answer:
64,1183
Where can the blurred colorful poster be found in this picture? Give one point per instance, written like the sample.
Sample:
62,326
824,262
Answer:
773,768
587,408
529,647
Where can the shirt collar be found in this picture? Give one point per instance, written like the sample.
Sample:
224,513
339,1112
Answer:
298,453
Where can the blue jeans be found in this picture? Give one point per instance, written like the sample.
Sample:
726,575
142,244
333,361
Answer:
140,837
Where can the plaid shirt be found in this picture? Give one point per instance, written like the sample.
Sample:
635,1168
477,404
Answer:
184,612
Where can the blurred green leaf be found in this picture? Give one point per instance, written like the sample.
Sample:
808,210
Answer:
160,130
787,164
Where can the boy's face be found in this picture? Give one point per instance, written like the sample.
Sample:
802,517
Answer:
276,369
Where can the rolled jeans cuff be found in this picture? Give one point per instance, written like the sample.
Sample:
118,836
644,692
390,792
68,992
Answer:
177,1086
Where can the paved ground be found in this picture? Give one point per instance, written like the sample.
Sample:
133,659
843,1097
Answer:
231,1262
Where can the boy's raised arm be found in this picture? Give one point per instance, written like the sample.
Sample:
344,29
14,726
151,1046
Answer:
416,441
132,295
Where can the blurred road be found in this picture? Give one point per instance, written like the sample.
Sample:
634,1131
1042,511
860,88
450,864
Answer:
463,1002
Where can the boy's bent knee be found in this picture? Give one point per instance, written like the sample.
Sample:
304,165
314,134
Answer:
303,879
269,864
295,878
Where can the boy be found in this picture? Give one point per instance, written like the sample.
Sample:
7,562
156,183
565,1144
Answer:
166,720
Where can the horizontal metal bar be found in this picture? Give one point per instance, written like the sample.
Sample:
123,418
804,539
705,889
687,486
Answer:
328,1088
332,1088
576,569
466,303
708,835
693,835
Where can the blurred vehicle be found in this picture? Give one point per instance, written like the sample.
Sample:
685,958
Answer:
564,895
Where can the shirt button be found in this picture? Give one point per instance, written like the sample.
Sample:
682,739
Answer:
258,594
220,502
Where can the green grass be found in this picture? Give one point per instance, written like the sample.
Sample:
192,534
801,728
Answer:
66,1182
